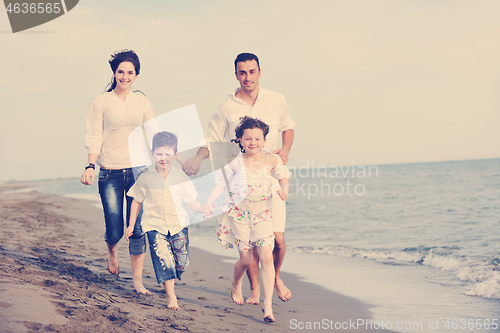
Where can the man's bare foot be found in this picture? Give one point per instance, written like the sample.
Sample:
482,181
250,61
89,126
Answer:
113,266
254,297
139,287
236,294
172,304
283,292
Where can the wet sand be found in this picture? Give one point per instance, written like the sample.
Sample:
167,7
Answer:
53,277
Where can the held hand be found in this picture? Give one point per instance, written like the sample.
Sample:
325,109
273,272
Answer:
208,210
282,154
283,195
191,166
128,232
88,177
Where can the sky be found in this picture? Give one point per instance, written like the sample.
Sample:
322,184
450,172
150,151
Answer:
367,82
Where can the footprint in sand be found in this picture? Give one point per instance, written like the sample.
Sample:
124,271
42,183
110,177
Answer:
179,327
49,283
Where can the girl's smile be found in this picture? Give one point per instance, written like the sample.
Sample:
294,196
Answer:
253,140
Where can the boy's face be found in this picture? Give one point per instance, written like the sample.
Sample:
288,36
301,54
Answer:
164,157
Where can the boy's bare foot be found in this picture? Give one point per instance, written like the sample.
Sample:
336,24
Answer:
139,287
254,297
236,294
172,304
283,292
113,266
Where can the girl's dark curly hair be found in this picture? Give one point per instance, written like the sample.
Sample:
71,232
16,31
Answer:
249,123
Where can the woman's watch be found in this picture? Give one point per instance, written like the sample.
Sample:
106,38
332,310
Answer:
90,166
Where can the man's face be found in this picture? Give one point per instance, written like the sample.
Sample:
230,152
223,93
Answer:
248,74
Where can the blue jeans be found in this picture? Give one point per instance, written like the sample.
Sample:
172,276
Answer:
113,186
169,254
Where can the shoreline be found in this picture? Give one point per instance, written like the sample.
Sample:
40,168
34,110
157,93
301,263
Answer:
54,256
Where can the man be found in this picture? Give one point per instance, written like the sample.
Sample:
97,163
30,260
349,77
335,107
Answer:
252,100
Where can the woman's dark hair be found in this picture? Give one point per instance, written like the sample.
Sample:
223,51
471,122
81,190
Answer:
249,123
117,59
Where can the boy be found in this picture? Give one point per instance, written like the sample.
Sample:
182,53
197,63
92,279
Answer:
162,190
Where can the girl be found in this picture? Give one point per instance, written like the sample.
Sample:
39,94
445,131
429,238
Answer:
247,218
111,118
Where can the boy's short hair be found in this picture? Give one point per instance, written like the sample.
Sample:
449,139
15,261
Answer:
165,139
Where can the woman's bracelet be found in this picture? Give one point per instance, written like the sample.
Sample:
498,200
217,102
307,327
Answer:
90,166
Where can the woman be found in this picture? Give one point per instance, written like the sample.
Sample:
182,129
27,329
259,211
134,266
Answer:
111,118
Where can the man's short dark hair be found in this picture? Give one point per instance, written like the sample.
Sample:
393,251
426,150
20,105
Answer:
165,139
242,57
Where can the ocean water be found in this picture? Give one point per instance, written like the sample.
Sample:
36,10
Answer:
441,215
420,242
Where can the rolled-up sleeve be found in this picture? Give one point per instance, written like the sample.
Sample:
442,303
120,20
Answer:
286,122
95,127
219,176
149,122
148,110
189,192
216,129
137,192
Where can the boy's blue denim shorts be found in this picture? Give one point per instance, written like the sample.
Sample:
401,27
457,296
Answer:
113,186
169,253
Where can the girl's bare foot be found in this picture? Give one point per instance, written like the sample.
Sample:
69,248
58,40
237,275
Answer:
283,292
254,297
269,319
236,294
139,287
268,314
172,304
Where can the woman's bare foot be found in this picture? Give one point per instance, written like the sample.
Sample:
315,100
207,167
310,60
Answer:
254,297
113,266
236,294
172,304
283,292
139,287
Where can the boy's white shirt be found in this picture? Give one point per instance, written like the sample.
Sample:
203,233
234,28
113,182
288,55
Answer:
161,202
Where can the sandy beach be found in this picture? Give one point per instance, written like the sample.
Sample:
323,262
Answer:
53,277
